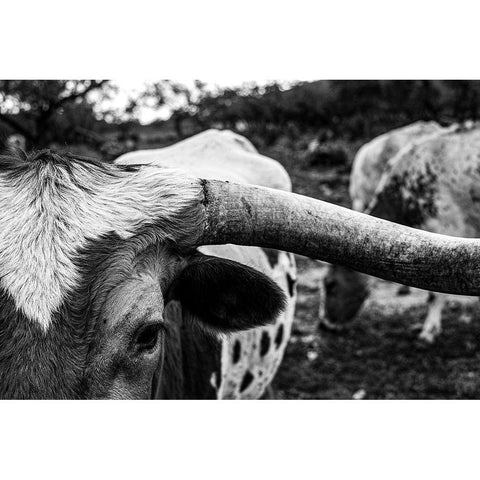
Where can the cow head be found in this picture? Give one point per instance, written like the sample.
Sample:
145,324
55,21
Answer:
342,296
90,255
88,264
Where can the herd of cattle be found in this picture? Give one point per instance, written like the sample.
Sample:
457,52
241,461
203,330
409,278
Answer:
170,273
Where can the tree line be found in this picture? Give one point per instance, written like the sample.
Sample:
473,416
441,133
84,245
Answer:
65,112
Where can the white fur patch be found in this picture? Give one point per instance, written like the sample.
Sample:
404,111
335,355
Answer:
251,361
46,217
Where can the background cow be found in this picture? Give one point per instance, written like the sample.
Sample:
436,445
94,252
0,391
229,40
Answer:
432,184
369,164
246,362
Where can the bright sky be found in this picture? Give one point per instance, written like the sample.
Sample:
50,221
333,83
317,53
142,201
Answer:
128,88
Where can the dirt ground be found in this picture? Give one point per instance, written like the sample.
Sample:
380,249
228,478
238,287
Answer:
380,356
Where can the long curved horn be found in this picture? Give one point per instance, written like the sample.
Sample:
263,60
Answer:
250,215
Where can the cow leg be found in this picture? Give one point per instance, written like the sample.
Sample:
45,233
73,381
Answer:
433,323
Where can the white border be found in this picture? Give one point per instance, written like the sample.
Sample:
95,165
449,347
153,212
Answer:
237,440
229,42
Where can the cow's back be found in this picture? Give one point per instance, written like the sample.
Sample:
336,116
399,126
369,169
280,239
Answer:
435,185
372,159
216,155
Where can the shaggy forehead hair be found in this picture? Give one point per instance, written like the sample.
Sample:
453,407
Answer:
53,205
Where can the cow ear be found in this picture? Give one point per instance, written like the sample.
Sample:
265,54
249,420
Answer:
226,295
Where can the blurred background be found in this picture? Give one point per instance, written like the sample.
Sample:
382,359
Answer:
304,125
314,129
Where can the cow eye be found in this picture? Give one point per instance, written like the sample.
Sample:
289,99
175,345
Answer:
147,338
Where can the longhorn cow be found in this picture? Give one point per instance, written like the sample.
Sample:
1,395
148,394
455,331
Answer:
432,184
105,294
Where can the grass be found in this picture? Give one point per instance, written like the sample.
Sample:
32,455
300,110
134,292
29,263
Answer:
379,355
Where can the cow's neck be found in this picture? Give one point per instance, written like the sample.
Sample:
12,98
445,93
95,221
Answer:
35,363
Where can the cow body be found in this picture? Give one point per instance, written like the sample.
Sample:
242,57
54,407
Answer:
217,155
432,183
245,362
372,158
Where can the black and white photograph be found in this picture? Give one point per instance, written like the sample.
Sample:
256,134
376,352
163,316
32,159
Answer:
285,240
265,202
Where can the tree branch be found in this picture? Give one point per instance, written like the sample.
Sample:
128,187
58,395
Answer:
54,106
74,96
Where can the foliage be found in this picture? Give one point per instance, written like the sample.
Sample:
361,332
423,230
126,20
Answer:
46,111
337,108
66,112
181,100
